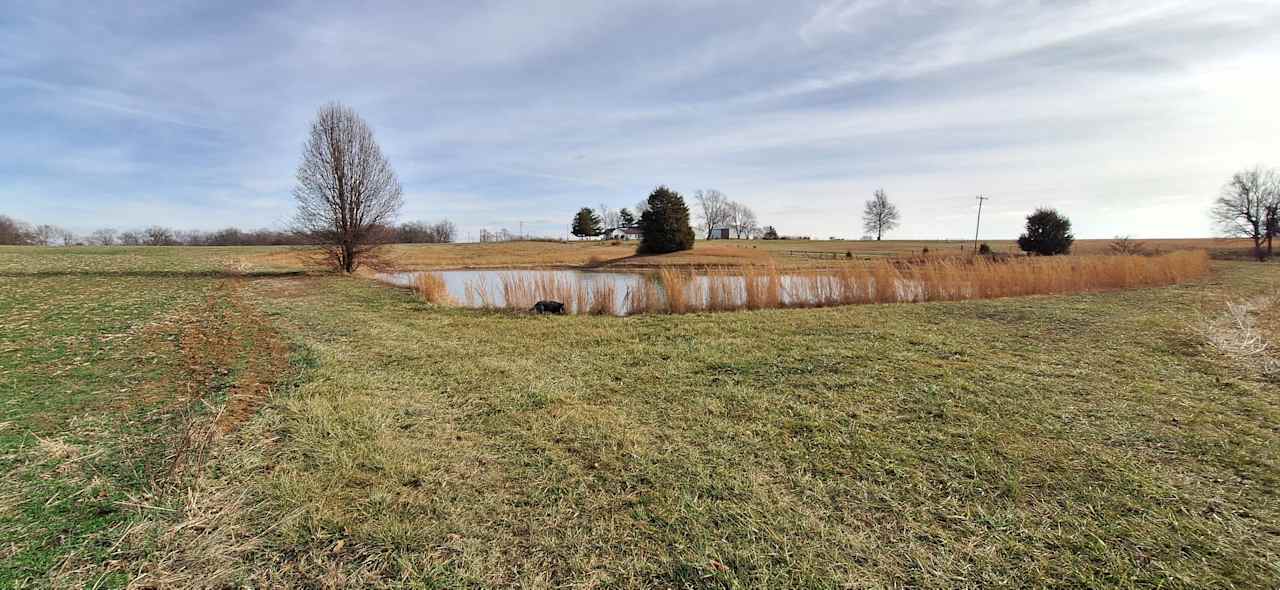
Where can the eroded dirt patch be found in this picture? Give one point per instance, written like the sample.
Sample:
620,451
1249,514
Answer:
231,351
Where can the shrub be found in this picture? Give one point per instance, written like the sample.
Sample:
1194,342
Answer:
664,226
984,249
1048,233
1127,246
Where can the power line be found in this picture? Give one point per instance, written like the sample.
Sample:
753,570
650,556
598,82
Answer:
978,225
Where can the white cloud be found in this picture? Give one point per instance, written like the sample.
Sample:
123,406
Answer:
502,111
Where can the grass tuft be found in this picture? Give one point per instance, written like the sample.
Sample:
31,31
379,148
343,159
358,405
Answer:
431,287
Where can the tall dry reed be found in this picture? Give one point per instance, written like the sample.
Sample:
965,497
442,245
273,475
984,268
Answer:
643,297
675,284
680,290
431,287
604,298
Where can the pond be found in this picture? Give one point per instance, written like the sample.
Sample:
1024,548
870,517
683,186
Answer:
490,288
625,293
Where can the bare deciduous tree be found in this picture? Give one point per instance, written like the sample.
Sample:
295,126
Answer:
103,237
44,234
14,232
742,219
131,238
1242,209
713,209
879,215
347,192
67,236
609,216
158,235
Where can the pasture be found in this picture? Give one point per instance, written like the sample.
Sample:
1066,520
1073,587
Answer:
178,417
782,253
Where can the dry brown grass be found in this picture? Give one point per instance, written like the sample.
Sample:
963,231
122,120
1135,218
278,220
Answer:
1241,334
675,284
431,287
603,298
621,255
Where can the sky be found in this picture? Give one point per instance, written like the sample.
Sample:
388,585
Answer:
1128,117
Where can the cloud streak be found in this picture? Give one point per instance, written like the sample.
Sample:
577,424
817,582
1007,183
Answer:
1127,115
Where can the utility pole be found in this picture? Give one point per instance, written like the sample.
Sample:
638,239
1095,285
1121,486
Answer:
979,224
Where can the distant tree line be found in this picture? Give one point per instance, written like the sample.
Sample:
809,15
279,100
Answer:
506,235
18,233
421,232
15,232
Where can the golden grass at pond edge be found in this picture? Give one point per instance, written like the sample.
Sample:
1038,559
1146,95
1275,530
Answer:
683,290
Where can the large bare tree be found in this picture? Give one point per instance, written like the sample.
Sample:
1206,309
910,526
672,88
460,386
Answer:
1246,205
713,209
879,215
348,195
742,219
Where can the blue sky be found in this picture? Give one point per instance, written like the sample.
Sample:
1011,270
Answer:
1127,116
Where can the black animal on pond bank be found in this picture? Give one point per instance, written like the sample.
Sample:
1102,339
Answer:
548,307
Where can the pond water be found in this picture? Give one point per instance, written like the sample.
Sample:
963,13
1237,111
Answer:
488,288
624,291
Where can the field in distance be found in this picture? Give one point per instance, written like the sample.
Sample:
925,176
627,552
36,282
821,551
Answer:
782,253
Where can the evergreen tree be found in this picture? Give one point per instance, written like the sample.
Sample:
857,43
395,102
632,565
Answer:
627,218
665,223
586,223
1048,233
770,233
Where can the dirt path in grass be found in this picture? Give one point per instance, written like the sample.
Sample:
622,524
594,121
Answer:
234,355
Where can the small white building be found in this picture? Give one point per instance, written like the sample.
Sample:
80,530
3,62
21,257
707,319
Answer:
719,233
622,233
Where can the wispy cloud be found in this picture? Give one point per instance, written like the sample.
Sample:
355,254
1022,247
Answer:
503,111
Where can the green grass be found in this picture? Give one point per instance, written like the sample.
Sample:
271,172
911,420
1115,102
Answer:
1083,441
93,389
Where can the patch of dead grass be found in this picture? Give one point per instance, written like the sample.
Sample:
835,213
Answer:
1245,332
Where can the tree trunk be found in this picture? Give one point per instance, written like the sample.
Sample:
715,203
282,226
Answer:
348,258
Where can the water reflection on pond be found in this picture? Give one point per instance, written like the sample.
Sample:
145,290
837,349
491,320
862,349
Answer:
490,288
624,293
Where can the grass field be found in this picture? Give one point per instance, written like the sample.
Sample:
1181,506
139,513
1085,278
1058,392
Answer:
209,417
782,253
